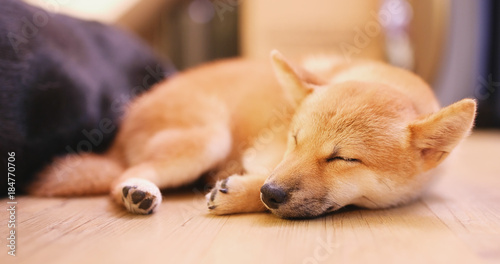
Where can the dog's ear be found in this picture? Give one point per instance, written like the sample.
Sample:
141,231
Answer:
295,80
437,134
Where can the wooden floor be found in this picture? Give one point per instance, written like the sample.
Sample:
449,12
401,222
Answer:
457,221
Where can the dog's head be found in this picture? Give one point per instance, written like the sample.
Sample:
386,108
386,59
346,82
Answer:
356,143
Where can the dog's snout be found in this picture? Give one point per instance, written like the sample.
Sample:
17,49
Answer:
272,195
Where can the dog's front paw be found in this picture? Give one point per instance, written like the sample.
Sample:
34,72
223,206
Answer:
220,192
236,194
140,197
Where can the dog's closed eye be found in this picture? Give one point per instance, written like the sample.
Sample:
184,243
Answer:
334,158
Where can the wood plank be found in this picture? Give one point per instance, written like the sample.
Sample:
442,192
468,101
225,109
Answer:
457,221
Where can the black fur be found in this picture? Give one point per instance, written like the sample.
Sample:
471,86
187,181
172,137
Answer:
63,85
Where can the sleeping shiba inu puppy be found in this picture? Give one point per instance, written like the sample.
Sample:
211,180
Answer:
298,140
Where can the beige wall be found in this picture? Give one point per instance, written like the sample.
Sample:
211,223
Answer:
299,27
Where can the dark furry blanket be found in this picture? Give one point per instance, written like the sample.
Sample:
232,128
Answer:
64,83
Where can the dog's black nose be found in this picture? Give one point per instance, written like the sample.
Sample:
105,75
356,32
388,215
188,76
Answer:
272,195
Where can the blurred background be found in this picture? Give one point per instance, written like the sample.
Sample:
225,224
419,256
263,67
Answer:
453,45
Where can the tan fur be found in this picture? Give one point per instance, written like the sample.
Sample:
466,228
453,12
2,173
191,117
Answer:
327,134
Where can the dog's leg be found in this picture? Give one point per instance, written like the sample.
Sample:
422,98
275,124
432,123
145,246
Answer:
241,193
171,158
237,194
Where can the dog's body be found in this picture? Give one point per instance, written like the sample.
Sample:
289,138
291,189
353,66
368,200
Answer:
307,140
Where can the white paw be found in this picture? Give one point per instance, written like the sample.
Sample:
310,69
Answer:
140,196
